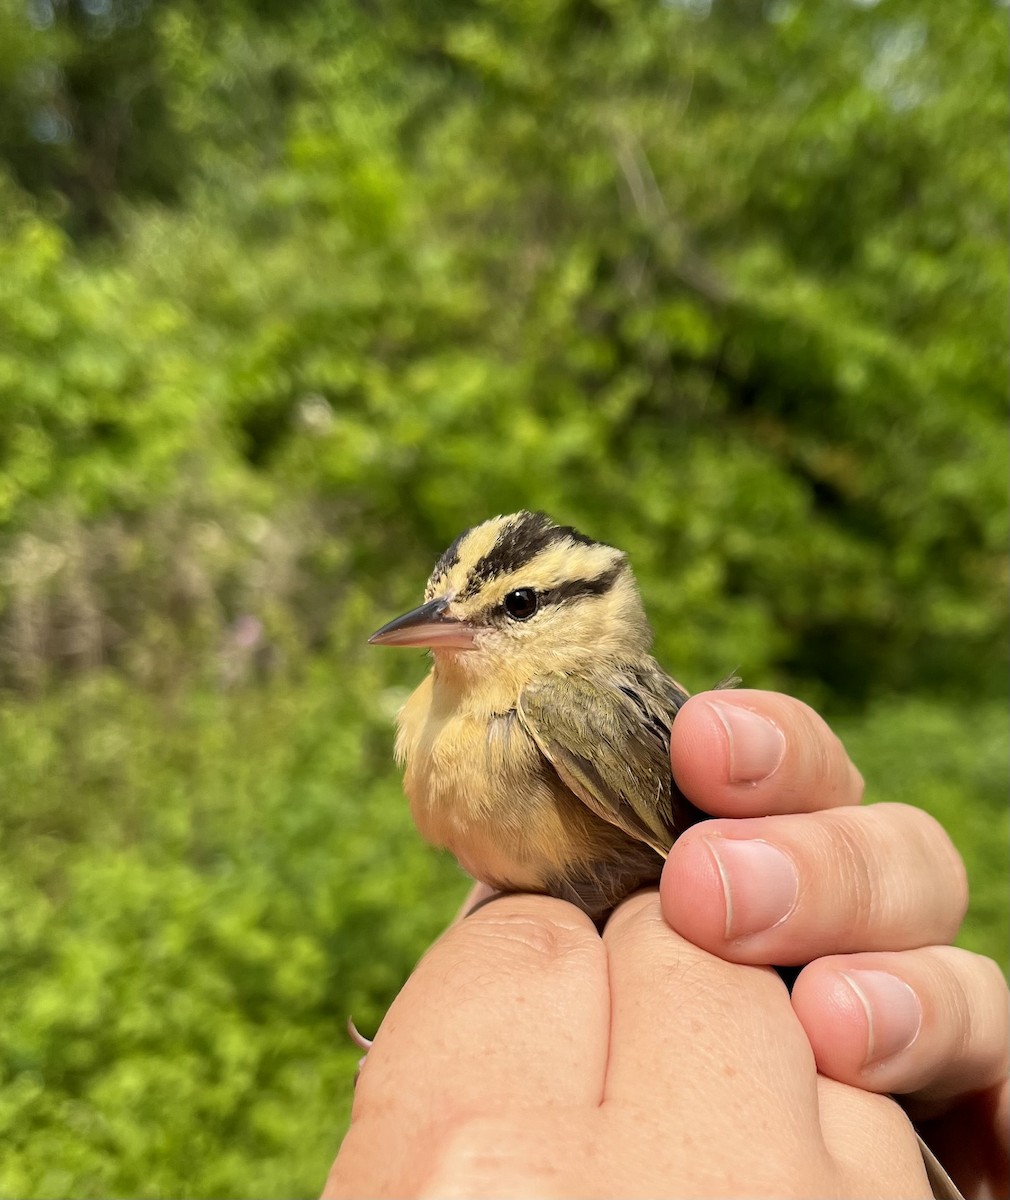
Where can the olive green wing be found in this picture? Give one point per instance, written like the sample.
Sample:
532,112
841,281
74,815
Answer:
607,735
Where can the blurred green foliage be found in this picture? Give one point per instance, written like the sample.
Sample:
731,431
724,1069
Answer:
192,905
290,294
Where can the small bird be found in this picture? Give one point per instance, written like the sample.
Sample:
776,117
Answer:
537,750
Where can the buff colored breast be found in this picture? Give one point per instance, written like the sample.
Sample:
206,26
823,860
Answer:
478,785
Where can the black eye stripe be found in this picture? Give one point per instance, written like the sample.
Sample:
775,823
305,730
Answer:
563,593
573,589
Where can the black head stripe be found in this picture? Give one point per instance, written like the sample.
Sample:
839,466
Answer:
573,589
518,544
450,558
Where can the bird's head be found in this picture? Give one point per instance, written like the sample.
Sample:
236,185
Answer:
520,595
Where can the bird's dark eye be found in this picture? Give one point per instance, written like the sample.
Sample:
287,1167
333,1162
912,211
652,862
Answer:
521,604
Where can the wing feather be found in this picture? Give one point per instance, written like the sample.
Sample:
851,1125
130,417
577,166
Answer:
608,737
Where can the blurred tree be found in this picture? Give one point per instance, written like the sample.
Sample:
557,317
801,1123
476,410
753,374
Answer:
741,270
90,89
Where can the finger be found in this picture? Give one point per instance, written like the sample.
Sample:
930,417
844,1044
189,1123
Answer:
510,1006
749,753
870,1138
748,1045
789,889
931,1023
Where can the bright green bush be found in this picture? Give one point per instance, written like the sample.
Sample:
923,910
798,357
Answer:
193,902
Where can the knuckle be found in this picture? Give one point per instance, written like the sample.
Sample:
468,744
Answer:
960,1026
994,983
466,1149
552,931
972,995
853,864
857,785
936,860
887,1116
898,866
823,765
836,774
640,912
476,1155
821,742
993,995
939,846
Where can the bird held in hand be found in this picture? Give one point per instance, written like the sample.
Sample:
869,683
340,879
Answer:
537,748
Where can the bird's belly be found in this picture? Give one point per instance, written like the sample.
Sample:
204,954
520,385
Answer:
481,788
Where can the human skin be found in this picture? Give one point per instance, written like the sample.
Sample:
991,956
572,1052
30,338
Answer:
528,1055
887,1004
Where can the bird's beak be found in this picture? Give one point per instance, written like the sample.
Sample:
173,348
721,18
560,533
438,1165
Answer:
428,625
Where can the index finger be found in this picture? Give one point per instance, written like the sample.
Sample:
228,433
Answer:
744,753
509,1007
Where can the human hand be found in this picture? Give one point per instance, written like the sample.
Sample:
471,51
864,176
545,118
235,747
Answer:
792,872
527,1055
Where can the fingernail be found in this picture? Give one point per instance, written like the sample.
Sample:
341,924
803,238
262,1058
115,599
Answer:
759,882
756,746
893,1012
